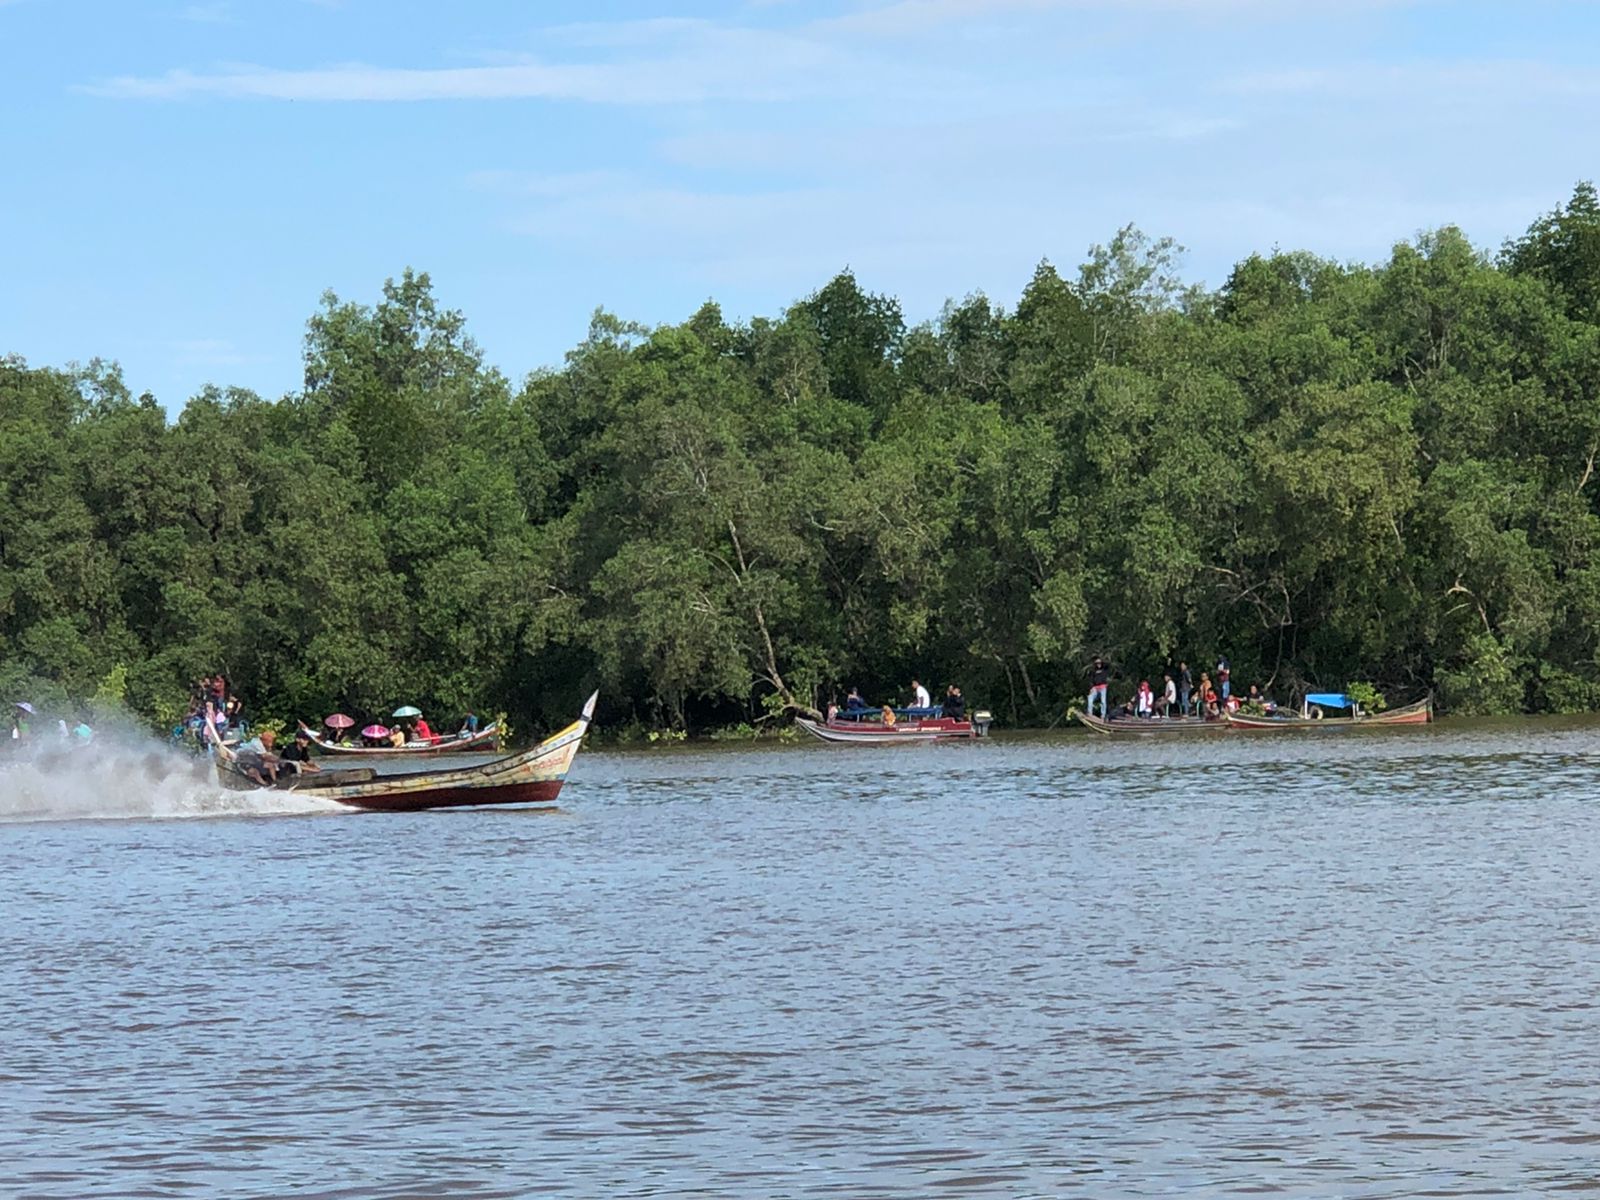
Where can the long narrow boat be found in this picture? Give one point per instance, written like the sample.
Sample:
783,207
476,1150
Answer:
533,777
1147,726
907,730
1419,713
454,743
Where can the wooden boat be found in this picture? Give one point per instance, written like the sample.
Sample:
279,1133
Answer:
451,743
1147,726
912,725
533,777
1310,716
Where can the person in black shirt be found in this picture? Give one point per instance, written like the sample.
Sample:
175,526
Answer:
1099,680
1185,688
300,752
955,705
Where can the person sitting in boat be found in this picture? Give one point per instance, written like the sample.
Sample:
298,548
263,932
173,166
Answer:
469,725
258,760
299,753
887,715
955,704
397,736
919,696
1208,700
421,728
1144,700
853,702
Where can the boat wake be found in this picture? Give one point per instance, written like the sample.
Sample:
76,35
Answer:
128,779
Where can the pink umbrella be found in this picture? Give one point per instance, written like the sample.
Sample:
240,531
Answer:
375,731
339,721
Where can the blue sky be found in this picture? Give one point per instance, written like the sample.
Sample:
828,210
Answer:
181,181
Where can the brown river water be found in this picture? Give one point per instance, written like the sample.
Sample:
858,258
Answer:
1358,965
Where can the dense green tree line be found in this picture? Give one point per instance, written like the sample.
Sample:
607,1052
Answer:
1326,472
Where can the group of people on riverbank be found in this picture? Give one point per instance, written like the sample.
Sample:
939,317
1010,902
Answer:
23,715
1179,694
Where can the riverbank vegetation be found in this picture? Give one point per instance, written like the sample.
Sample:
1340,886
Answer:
1323,471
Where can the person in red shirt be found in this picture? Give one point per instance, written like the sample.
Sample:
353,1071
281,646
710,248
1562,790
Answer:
424,733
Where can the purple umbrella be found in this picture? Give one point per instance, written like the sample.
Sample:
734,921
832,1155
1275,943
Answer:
339,721
25,706
375,731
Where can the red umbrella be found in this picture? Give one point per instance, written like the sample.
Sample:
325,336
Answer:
375,731
339,721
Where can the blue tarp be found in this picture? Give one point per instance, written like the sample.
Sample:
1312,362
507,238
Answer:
1330,699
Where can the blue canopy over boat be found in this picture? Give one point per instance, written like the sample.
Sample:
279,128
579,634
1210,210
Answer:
1330,699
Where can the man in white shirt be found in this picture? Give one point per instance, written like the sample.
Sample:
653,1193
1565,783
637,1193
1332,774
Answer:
919,696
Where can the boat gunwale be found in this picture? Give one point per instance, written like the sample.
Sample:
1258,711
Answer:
1145,726
455,744
1418,712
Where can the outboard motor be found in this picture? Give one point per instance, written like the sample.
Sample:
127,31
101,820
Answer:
981,720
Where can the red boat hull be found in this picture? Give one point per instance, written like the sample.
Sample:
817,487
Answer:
536,792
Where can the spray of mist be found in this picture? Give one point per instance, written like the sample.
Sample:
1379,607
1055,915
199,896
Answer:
125,775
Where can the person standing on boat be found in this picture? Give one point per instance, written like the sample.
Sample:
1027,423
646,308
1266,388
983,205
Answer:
919,696
1185,688
1222,677
1169,696
955,704
1099,681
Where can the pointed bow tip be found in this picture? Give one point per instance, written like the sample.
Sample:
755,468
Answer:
588,705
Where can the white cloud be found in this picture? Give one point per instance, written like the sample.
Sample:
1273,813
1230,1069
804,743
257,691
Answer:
215,13
651,62
1480,80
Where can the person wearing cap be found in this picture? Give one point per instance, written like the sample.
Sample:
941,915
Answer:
259,759
299,752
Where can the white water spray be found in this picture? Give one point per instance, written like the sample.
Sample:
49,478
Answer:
126,777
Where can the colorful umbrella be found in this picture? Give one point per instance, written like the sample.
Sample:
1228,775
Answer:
339,721
24,706
375,731
408,710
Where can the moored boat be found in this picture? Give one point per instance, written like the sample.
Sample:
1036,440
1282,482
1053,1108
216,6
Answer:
1147,726
533,777
911,725
486,738
1313,707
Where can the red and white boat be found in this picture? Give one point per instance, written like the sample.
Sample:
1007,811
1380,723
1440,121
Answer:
866,727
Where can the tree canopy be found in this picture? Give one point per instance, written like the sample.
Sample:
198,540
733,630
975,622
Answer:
1321,471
